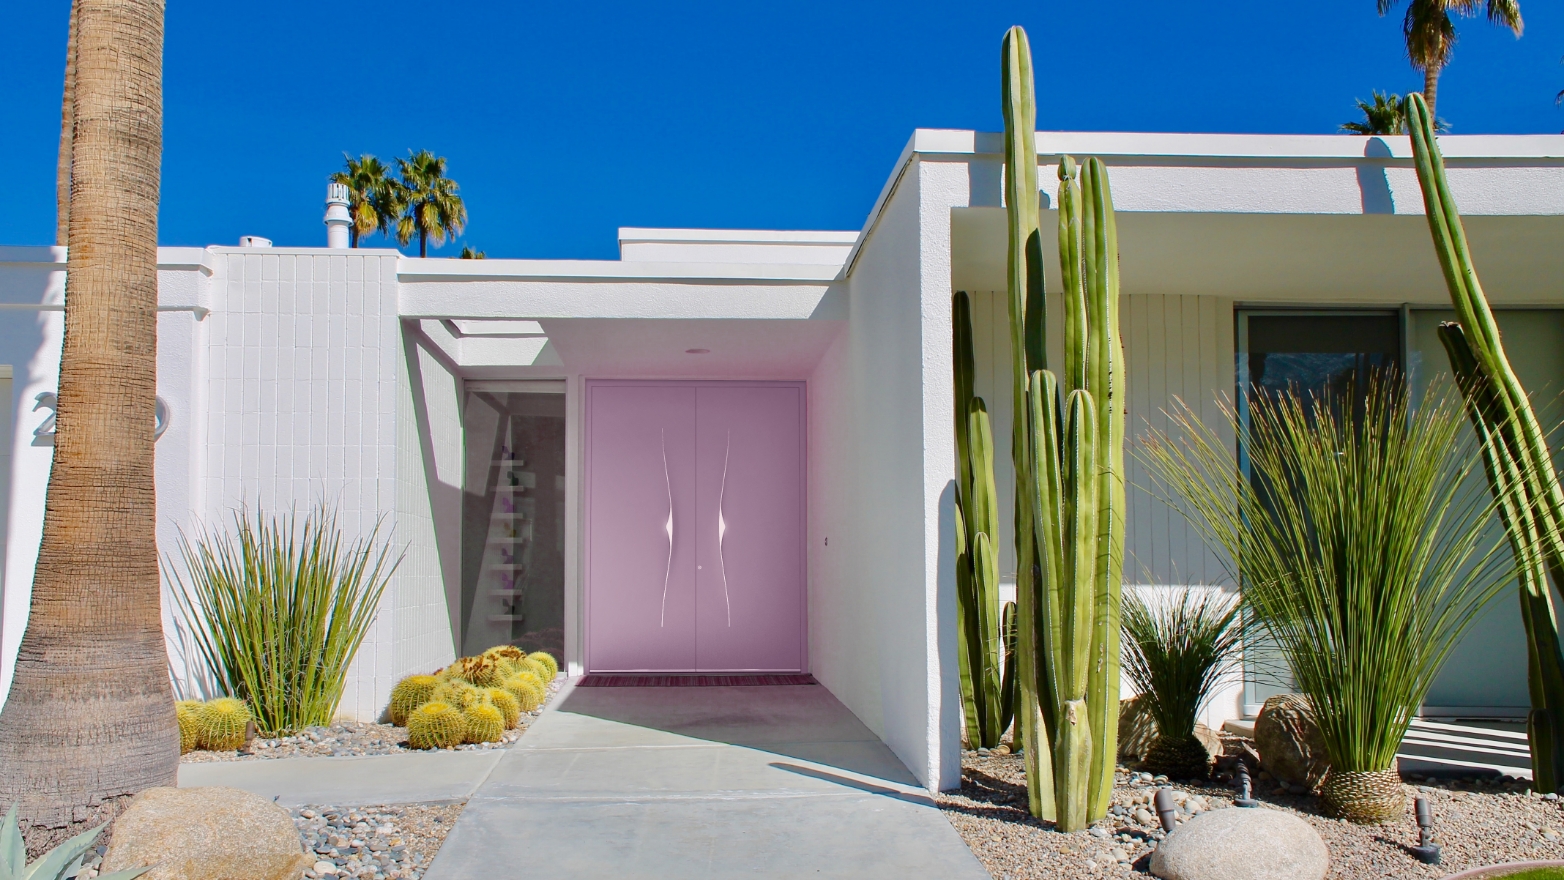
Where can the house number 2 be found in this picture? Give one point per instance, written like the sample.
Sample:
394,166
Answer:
49,400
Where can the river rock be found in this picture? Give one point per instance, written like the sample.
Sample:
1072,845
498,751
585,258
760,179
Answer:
1289,741
210,833
1258,844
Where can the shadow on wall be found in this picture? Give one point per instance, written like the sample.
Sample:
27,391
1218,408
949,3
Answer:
1372,180
445,499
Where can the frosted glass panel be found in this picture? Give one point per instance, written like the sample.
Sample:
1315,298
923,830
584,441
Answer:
513,520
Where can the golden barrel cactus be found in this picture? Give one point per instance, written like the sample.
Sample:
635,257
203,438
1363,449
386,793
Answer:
221,724
456,692
410,693
189,727
436,725
485,722
547,661
528,690
506,702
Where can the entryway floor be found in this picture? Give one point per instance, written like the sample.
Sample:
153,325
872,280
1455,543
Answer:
778,781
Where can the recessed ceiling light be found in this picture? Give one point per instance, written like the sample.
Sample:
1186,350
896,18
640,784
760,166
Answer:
697,351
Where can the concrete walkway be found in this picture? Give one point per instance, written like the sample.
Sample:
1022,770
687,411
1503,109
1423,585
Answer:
701,782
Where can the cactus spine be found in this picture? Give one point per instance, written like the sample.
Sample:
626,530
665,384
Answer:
977,561
1515,452
1069,451
410,693
436,725
485,722
222,724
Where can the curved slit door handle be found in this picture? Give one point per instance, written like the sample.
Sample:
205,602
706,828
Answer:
662,619
722,529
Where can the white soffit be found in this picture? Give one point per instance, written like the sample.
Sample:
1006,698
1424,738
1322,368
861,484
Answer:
481,327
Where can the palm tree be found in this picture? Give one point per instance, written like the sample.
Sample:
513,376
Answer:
1430,34
1385,115
62,168
431,206
469,254
373,195
90,717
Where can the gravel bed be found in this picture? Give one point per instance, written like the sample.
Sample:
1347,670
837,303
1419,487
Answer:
350,739
1477,822
388,842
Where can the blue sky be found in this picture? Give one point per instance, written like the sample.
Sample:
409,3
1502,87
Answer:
564,121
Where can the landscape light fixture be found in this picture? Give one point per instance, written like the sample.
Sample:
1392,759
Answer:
1426,850
1167,810
1245,788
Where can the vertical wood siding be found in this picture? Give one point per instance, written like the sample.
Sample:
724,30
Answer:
1177,347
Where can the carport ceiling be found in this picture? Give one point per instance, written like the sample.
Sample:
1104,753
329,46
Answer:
734,349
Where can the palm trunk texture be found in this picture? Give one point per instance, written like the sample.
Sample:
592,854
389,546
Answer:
90,716
62,168
1431,89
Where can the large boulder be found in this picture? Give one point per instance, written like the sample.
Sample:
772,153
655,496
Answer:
206,834
1239,844
1289,741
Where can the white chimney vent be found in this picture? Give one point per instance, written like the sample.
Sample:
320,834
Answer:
254,241
337,217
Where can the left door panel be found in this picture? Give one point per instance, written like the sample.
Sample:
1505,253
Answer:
641,498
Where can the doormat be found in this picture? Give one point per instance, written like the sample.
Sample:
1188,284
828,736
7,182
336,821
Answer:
600,680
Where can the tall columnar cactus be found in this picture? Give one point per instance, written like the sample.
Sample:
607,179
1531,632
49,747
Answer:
1515,452
1069,451
977,557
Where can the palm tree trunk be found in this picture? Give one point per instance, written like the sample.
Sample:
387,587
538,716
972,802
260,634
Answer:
353,235
90,717
423,242
62,168
1431,90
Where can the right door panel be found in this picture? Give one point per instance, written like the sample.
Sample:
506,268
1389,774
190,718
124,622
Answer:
749,527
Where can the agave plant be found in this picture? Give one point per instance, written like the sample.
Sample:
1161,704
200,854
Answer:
57,864
278,608
1177,649
1359,544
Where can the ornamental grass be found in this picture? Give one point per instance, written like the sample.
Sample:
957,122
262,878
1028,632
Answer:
278,607
1361,548
1177,649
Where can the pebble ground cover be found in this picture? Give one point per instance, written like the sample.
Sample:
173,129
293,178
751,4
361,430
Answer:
1477,823
389,842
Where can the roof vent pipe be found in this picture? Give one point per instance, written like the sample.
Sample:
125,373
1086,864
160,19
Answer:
254,241
337,217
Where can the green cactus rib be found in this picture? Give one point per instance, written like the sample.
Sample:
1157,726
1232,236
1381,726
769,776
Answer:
1515,453
1069,452
977,564
1024,271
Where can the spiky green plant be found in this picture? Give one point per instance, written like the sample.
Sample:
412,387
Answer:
186,713
279,607
436,725
221,724
410,693
528,690
977,556
485,722
547,661
1069,452
456,692
1359,549
506,702
1177,649
480,671
1516,459
59,863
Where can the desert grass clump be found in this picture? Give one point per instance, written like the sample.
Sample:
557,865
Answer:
187,713
506,702
1177,649
410,693
528,690
547,661
278,607
1360,545
485,722
221,724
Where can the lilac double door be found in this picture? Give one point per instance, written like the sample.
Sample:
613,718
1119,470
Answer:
695,527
